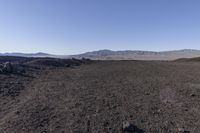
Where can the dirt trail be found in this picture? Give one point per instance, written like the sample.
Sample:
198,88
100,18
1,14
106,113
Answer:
99,97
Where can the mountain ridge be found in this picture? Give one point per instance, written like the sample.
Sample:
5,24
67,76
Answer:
139,54
38,54
107,54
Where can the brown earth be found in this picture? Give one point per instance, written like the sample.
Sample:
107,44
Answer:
154,96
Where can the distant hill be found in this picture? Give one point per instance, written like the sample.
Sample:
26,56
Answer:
139,55
39,54
120,55
195,59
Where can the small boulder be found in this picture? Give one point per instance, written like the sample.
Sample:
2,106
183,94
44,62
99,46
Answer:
127,127
7,67
182,130
192,94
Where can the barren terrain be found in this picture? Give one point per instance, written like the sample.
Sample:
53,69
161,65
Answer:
102,97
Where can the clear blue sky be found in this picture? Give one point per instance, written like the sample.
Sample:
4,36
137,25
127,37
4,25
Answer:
76,26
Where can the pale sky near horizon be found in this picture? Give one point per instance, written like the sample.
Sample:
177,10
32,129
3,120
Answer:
77,26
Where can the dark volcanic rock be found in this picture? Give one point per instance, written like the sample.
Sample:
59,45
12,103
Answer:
7,67
127,127
12,68
104,97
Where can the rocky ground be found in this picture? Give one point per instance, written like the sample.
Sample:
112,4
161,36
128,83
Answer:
101,97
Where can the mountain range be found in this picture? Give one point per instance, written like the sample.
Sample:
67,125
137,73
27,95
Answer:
39,54
139,55
120,55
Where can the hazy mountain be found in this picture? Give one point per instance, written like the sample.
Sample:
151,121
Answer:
39,54
120,55
139,55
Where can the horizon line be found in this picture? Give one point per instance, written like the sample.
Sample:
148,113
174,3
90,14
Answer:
96,51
